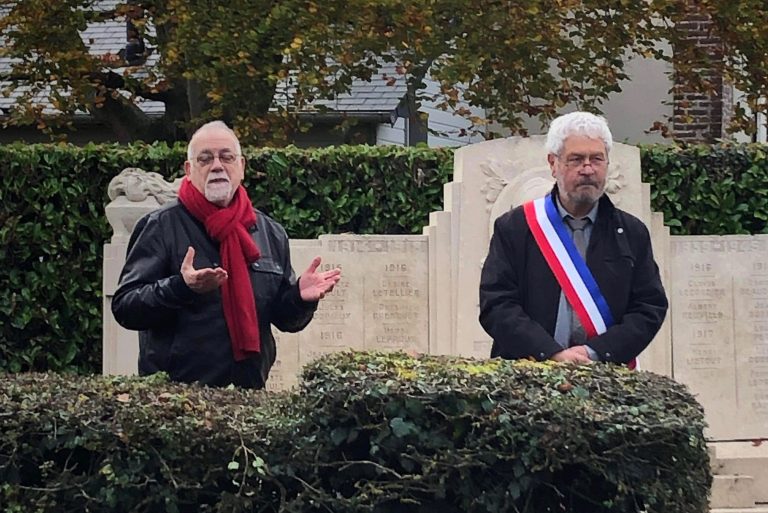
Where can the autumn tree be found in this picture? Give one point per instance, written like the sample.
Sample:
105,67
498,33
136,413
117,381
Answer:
201,59
516,59
259,63
742,28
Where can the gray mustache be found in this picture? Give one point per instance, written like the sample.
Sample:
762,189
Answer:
217,176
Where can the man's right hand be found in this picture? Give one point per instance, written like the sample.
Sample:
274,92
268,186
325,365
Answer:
201,280
575,354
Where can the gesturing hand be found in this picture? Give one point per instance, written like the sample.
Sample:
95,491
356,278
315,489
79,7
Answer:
314,285
201,280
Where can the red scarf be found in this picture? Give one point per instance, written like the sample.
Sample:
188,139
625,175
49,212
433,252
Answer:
229,226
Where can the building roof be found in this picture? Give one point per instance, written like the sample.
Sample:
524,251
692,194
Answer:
109,37
382,94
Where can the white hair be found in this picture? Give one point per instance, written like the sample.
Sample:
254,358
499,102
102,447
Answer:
577,123
212,125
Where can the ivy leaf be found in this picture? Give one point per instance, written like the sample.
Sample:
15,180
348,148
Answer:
339,435
580,392
402,428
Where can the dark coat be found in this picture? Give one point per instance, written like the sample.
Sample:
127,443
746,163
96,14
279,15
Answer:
519,294
184,333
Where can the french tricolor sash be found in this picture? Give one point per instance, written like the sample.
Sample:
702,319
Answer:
567,265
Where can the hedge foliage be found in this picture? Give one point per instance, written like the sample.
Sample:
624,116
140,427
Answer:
709,190
52,224
52,228
365,433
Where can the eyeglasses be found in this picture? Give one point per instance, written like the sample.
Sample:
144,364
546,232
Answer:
579,161
206,158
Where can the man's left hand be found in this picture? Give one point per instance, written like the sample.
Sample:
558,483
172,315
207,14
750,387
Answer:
574,354
582,351
313,285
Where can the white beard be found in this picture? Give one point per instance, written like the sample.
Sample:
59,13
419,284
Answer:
218,193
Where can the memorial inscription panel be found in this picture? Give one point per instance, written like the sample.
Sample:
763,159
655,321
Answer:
720,329
381,302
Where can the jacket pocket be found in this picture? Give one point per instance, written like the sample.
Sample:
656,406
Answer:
266,277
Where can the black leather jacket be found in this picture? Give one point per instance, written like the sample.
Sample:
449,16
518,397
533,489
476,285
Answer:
184,333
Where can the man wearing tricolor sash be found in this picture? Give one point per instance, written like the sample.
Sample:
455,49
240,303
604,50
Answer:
570,277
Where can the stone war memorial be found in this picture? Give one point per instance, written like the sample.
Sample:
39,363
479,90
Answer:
418,293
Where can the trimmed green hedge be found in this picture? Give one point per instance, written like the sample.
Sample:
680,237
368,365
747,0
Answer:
365,433
709,190
52,224
52,228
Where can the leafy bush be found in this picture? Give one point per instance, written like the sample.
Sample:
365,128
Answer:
366,432
458,435
709,190
356,189
115,445
52,228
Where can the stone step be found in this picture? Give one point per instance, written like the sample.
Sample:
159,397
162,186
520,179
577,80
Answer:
744,459
732,491
755,468
713,463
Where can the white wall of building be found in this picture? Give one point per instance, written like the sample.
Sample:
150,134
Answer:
387,134
644,98
761,135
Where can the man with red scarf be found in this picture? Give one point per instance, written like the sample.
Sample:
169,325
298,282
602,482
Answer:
206,276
